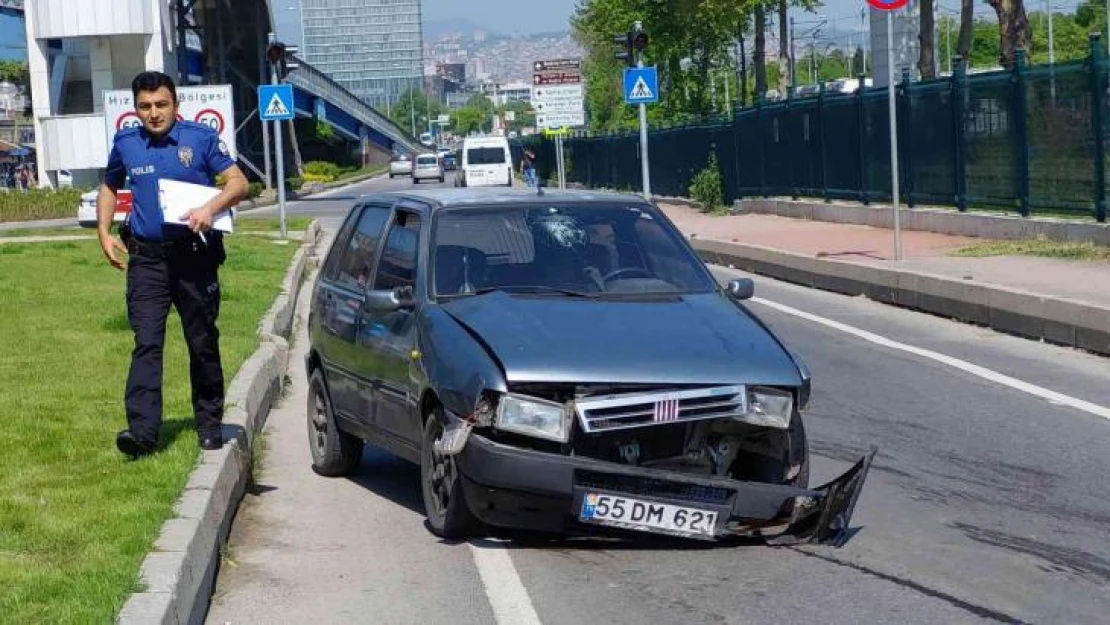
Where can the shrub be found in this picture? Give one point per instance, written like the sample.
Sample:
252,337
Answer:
294,183
255,190
39,203
707,188
321,171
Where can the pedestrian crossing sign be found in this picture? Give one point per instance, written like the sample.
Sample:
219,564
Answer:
641,85
275,102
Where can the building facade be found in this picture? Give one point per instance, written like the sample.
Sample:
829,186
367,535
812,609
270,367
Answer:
373,48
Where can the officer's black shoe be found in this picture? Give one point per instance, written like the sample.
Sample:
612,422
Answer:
211,442
133,447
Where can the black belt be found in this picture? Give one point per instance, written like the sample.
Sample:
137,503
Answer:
162,248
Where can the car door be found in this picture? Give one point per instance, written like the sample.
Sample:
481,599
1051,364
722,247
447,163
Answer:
341,296
392,335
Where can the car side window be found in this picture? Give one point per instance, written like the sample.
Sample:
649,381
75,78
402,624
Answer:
339,248
358,257
397,267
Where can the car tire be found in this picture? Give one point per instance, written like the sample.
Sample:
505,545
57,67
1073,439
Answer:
441,179
445,505
335,453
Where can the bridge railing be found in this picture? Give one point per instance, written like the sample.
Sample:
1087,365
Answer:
312,80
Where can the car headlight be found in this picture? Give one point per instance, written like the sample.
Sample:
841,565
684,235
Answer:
769,407
533,417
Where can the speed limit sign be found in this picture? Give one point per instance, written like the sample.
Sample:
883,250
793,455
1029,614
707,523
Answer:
211,118
129,119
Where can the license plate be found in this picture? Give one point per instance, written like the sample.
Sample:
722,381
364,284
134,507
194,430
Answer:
646,516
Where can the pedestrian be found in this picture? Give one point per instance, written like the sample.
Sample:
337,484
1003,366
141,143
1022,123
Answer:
528,167
168,263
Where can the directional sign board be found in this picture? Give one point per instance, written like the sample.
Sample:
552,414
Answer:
641,85
211,105
558,94
275,102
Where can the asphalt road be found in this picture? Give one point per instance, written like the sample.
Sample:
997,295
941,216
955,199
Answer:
988,502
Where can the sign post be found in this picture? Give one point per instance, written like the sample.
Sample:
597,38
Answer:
558,97
888,7
641,86
275,103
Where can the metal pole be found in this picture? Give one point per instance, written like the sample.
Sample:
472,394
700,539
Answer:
645,167
412,110
893,133
1051,50
280,157
265,124
561,160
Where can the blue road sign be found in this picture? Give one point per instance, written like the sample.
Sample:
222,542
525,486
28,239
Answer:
641,85
275,102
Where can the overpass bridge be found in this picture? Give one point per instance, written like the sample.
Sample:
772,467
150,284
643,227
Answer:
198,42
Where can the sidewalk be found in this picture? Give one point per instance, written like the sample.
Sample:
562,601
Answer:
1058,300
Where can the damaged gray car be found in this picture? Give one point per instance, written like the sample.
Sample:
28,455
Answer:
562,362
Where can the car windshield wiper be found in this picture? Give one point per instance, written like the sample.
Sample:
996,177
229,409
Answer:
533,288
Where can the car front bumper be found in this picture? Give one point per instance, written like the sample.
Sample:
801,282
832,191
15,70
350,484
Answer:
510,486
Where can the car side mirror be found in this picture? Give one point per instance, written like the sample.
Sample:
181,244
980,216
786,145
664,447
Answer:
389,300
741,288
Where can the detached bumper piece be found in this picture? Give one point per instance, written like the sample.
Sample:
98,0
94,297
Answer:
509,486
825,519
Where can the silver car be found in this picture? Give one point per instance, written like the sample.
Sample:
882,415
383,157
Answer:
400,165
428,166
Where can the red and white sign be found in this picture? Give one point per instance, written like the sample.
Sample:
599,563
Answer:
887,5
211,105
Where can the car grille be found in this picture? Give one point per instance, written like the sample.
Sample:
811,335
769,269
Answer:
651,487
615,412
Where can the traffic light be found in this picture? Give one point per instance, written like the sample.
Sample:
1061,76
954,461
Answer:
640,40
625,54
281,55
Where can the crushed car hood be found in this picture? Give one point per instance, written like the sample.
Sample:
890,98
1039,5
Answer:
692,339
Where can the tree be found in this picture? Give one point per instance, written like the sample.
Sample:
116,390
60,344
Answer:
967,20
786,79
759,55
857,61
426,109
926,35
1013,29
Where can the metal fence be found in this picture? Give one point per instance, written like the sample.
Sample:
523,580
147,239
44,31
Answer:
1030,140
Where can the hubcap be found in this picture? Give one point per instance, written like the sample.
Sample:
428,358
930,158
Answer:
319,423
442,479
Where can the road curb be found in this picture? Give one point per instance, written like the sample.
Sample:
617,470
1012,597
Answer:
1058,320
178,576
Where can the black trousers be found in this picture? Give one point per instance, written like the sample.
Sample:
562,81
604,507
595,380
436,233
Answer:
182,273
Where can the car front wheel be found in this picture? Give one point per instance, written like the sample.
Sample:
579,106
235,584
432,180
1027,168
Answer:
335,453
444,503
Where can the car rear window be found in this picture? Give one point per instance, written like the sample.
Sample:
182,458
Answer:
426,160
485,156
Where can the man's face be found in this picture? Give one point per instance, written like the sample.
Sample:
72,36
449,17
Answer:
157,110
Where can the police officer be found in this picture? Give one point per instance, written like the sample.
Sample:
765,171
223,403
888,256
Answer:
168,263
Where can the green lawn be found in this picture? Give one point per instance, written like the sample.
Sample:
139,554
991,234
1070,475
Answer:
1037,247
76,518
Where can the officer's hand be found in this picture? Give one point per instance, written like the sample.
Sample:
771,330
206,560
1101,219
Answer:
111,245
200,219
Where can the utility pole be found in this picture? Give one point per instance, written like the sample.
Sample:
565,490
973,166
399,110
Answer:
645,168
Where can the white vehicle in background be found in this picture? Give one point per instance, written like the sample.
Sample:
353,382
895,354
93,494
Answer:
486,162
400,165
427,167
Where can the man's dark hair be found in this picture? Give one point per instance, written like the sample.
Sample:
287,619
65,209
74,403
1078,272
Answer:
152,81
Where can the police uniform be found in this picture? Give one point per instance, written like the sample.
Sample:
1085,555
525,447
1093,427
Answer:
169,264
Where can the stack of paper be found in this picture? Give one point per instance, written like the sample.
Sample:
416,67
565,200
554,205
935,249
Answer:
178,198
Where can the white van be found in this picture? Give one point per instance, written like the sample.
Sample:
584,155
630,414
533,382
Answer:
485,162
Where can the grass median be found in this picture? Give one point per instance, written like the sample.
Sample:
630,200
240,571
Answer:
76,518
1042,247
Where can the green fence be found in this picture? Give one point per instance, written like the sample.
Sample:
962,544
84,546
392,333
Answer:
1030,140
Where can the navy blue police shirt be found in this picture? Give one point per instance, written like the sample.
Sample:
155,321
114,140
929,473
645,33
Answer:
189,152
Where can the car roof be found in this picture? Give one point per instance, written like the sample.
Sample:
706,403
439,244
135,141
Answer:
474,197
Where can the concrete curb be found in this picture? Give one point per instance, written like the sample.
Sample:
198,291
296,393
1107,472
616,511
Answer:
1056,320
178,576
943,221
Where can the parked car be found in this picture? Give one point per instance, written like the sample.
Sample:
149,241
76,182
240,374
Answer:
427,167
564,362
400,165
86,210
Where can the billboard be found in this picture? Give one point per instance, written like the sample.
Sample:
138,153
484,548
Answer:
210,105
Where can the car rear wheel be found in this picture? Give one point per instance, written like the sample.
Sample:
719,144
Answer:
335,453
444,503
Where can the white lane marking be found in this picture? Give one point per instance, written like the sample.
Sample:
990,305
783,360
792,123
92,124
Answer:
987,374
506,593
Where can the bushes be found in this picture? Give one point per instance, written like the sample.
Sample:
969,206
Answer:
707,188
321,171
255,190
39,204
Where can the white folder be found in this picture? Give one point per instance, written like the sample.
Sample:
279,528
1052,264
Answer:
178,198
